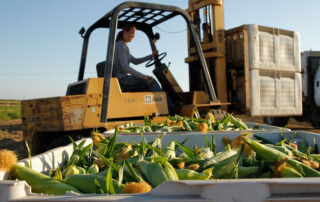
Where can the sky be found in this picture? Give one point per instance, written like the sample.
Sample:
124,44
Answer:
40,46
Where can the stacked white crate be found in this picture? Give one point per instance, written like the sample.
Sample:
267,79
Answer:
275,71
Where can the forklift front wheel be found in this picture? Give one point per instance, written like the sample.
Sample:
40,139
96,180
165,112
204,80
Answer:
276,121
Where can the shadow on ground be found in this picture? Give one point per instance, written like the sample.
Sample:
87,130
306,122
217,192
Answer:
11,127
12,145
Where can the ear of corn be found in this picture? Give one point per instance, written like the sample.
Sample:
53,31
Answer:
238,123
246,172
220,157
288,172
186,125
205,153
58,174
73,169
86,183
171,172
153,173
93,169
273,155
131,173
282,149
41,183
186,174
169,151
305,170
267,153
295,152
224,167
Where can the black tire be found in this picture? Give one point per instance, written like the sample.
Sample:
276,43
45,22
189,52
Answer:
62,140
300,118
218,114
276,121
315,118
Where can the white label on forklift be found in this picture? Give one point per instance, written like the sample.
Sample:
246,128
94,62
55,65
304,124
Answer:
93,109
152,99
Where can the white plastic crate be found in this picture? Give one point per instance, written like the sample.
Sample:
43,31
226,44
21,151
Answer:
275,93
275,71
268,69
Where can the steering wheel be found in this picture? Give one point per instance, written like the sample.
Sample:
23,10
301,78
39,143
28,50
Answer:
158,58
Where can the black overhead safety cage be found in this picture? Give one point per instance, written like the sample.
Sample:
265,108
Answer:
144,16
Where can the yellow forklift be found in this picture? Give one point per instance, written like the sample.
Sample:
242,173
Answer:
101,103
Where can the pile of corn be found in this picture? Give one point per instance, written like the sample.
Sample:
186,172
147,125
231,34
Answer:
106,166
180,123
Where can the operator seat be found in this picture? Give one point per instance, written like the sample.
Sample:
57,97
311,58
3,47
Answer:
124,88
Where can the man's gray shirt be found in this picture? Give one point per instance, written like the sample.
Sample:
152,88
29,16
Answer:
122,58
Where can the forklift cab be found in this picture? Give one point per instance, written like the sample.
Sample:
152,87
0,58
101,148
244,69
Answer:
144,16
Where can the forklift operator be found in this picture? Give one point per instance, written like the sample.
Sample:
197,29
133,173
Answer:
126,75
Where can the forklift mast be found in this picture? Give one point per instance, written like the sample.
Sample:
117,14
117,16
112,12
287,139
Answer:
208,18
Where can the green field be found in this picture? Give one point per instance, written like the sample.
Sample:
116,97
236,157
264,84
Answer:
10,109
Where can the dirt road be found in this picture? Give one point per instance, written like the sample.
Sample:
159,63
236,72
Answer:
11,134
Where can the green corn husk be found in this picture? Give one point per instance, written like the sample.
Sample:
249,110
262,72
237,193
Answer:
169,151
186,125
153,173
295,152
205,153
41,183
282,149
194,126
247,172
73,169
148,129
224,167
93,169
171,172
288,172
305,170
186,174
238,123
86,183
267,153
267,174
58,174
220,157
315,157
103,172
272,155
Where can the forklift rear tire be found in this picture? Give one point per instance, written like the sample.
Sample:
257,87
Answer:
62,140
218,114
276,121
315,118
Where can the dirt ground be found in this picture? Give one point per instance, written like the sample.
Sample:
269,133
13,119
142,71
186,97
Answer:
11,137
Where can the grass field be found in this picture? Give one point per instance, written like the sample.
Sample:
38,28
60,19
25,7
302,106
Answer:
9,102
10,109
